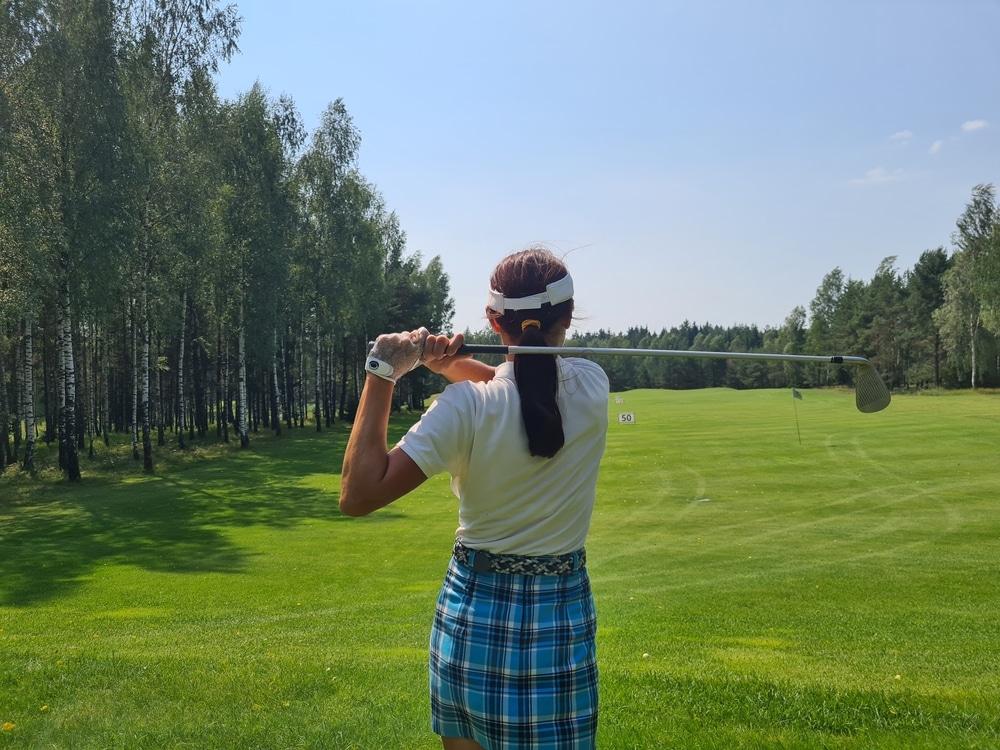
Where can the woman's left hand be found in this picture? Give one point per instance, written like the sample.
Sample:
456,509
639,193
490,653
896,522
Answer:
395,354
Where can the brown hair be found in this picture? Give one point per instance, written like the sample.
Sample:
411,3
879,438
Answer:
523,274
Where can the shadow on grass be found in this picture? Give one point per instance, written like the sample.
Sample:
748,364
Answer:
56,534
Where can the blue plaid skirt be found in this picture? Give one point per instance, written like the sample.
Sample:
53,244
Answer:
513,662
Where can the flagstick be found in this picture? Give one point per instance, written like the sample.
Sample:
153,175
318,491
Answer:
795,406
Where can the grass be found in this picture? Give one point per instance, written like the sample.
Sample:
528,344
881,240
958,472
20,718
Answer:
769,573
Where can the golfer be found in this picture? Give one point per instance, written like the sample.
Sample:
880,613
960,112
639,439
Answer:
512,653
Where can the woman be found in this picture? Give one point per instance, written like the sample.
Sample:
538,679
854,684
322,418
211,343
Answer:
513,658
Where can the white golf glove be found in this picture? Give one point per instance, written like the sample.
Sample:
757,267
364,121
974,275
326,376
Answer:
395,354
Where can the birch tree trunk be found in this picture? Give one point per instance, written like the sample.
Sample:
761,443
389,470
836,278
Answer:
331,386
4,418
56,419
17,392
67,396
199,377
147,444
135,388
343,376
241,354
317,376
303,388
973,330
160,416
105,398
88,348
275,392
289,389
222,397
181,399
28,398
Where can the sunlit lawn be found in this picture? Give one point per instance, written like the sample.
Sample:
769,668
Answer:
768,572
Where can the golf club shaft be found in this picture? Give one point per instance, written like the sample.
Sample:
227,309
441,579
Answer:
610,351
870,391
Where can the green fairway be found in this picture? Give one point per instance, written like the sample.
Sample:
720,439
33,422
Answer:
769,573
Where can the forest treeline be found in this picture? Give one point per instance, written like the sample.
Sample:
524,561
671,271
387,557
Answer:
177,267
173,264
936,325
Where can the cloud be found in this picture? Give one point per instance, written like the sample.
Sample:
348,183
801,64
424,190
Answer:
902,135
935,147
878,176
971,126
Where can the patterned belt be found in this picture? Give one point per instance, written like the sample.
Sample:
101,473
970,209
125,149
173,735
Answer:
519,565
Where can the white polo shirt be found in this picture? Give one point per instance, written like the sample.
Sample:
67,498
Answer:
511,502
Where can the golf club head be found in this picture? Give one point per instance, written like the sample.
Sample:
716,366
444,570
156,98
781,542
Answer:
870,393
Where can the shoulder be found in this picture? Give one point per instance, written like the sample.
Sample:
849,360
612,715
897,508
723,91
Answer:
469,397
454,395
585,368
587,365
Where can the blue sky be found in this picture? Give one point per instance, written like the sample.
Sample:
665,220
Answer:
704,161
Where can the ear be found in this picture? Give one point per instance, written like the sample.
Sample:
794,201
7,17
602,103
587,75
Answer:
567,321
493,323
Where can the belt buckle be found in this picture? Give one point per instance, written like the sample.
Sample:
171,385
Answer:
481,562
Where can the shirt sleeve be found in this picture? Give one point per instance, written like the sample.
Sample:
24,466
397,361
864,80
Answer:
441,440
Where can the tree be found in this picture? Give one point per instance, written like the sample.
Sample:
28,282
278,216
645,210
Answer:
75,70
418,296
171,43
959,318
924,294
885,319
258,219
977,234
147,230
193,242
791,340
822,334
339,252
28,224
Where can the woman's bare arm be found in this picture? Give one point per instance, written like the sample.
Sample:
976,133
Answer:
373,476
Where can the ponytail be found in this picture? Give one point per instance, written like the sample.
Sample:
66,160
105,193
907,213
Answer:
531,292
537,377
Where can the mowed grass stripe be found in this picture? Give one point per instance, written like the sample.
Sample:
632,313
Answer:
858,563
768,572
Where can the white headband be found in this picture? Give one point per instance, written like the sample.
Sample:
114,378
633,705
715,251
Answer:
556,292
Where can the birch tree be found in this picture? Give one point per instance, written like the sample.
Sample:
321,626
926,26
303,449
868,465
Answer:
28,398
822,321
194,240
77,80
959,318
171,42
977,235
330,198
884,318
29,196
258,220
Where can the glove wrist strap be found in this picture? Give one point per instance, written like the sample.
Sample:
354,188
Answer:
383,369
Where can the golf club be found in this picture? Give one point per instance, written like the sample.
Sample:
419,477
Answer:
870,392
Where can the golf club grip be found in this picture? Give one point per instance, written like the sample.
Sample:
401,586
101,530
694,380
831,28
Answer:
482,349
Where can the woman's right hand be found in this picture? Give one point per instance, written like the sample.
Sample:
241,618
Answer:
440,352
441,356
